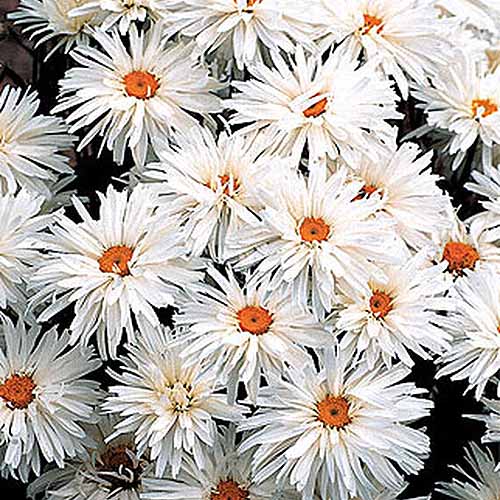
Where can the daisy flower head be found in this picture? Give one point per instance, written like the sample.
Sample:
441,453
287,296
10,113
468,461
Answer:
113,270
405,38
21,226
211,184
44,398
404,181
464,101
31,146
400,314
48,19
243,332
228,475
135,97
336,107
475,327
479,480
110,471
244,27
313,235
122,13
342,431
168,406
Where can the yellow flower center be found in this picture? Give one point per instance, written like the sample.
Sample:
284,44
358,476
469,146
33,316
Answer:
229,490
483,107
141,84
115,260
254,319
17,391
334,411
316,109
380,304
460,256
372,22
314,229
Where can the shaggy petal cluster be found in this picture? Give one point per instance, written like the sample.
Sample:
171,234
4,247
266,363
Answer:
124,265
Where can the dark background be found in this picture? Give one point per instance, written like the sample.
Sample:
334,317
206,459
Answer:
20,65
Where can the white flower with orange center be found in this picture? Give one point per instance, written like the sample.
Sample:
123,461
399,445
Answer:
243,27
480,479
44,398
408,191
475,326
246,332
168,406
228,475
403,38
109,471
402,314
31,146
211,185
335,107
313,235
120,267
464,102
343,430
48,19
135,97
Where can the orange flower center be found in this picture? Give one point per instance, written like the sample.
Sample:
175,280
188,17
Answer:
380,304
366,191
372,22
483,107
17,391
334,411
314,229
316,109
460,256
141,84
229,490
254,319
115,260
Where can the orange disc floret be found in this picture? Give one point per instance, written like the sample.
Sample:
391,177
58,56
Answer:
115,260
380,304
334,411
316,109
487,105
230,184
141,84
17,391
254,319
314,229
460,256
229,490
372,22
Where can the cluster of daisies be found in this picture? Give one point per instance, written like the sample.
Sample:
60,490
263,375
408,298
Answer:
283,216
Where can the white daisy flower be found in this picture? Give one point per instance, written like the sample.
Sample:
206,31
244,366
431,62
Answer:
122,13
211,185
343,430
337,107
244,26
314,234
243,332
482,14
110,472
123,265
135,97
479,481
465,102
44,399
404,181
48,19
21,224
401,314
228,475
405,38
168,406
31,146
475,326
